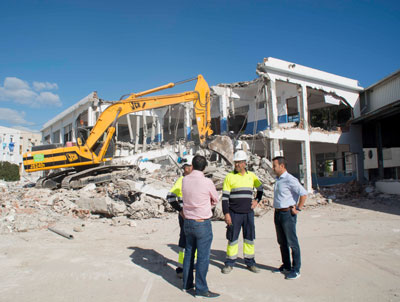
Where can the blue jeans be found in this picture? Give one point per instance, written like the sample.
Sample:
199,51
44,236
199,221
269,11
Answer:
198,236
285,225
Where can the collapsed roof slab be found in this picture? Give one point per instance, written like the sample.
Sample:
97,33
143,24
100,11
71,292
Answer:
279,70
297,134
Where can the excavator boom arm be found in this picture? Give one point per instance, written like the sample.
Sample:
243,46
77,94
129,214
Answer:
200,97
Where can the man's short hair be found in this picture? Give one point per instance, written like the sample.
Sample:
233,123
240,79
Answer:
281,160
199,163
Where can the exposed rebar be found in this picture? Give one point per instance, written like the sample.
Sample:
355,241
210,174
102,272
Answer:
68,236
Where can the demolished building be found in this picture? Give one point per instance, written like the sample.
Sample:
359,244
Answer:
291,110
299,112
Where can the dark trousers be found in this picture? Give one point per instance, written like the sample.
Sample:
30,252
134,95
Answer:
198,236
181,243
285,225
244,222
182,237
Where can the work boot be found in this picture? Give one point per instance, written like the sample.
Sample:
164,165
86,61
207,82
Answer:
179,272
253,269
226,269
208,295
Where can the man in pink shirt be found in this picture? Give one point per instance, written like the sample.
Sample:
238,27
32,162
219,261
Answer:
199,196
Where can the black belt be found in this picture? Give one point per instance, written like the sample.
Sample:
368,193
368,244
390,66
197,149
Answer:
199,220
283,209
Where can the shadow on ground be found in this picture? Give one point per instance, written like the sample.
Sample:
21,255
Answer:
385,205
156,263
354,194
217,259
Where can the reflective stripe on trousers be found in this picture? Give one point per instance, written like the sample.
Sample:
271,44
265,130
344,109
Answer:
241,222
181,256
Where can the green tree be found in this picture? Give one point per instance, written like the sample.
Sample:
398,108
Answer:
9,171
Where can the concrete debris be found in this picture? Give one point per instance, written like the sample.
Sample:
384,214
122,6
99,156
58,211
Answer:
240,84
78,229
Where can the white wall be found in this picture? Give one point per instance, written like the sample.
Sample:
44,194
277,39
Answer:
388,187
384,93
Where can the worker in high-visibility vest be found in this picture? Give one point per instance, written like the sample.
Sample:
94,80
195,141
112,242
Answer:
174,198
238,205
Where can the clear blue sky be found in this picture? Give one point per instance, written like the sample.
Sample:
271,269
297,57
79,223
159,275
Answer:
54,53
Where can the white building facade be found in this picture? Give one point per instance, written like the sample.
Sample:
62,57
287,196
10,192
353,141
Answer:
14,142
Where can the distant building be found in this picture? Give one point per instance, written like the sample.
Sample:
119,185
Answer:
380,115
14,142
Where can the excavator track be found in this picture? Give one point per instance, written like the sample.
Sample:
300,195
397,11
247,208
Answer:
96,175
53,180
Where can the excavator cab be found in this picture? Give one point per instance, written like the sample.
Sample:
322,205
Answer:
83,134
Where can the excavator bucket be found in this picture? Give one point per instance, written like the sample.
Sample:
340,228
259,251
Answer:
223,146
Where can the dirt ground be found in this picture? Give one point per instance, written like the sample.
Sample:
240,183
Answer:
350,252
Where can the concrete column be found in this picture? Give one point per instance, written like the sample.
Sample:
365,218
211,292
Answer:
128,118
298,99
273,103
306,156
275,148
160,117
160,124
62,133
90,114
73,127
137,133
187,122
304,107
153,126
379,149
144,131
305,145
267,101
61,138
223,107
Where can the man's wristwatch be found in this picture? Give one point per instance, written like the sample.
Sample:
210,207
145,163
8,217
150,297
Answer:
298,209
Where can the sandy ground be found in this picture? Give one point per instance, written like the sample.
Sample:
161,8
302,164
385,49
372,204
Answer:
350,252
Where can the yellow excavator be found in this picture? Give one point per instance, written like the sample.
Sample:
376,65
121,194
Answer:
85,162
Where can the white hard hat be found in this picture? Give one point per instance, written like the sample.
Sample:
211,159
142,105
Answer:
186,160
240,155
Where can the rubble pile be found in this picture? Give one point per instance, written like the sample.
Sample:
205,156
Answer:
132,196
344,191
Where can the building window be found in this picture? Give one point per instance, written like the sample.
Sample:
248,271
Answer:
56,137
68,133
326,164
